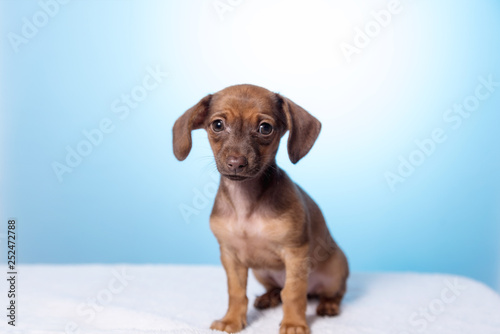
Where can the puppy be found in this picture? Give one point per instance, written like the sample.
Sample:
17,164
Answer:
261,219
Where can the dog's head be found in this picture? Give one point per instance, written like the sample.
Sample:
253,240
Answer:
245,124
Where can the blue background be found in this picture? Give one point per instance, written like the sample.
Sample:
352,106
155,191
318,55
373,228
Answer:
124,201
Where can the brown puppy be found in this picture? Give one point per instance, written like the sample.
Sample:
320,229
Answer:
262,219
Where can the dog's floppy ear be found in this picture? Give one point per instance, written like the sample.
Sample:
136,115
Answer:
303,128
192,119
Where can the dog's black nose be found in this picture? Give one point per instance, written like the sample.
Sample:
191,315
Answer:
236,164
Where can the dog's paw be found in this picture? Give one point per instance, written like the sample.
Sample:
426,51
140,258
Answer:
294,329
269,299
328,307
228,325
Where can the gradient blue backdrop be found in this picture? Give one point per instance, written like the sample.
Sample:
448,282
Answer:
123,203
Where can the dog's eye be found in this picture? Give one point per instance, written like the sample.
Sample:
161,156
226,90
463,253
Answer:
217,125
265,128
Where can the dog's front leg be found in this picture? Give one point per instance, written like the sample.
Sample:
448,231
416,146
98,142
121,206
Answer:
236,317
294,293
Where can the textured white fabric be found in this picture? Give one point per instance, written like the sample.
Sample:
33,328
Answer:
186,299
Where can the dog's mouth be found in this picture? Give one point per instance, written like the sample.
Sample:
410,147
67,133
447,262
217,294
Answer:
236,177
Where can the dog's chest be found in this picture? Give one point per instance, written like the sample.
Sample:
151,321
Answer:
253,239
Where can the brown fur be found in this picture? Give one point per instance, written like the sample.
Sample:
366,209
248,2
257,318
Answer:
261,219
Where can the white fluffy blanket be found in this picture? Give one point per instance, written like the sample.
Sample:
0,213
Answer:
106,299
